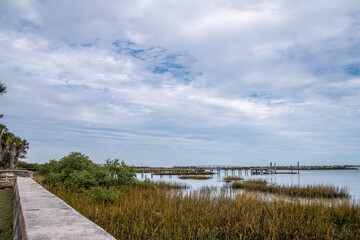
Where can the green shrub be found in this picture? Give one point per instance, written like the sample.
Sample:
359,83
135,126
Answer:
53,178
99,194
79,180
120,173
52,166
146,184
77,172
29,166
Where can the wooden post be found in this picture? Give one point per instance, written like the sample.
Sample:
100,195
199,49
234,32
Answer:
275,167
298,168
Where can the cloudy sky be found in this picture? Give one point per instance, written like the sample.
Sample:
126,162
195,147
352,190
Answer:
170,82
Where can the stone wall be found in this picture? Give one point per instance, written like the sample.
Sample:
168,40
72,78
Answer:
38,214
8,177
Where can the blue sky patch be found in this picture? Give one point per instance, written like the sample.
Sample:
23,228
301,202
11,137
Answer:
158,59
353,69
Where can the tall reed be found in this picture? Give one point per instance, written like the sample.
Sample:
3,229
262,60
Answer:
145,213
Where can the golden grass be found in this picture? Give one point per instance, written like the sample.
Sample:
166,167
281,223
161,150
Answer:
232,178
309,191
182,172
144,213
169,185
38,177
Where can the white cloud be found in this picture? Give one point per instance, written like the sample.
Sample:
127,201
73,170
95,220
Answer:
254,74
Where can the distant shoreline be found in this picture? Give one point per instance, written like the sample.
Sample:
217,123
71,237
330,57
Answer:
303,168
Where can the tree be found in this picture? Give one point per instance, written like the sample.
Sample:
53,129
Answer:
12,148
2,90
15,147
21,150
3,129
6,147
11,142
121,174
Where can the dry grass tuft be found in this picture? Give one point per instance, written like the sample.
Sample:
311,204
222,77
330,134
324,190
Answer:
232,179
196,177
309,191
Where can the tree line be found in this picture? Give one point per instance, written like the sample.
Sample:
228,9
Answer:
12,147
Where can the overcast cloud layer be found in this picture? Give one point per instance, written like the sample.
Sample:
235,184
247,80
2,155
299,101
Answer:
164,82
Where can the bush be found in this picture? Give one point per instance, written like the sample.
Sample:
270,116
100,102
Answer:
77,172
120,174
4,162
53,178
99,194
146,184
29,166
79,180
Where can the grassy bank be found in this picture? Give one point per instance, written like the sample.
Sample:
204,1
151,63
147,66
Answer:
6,214
148,213
309,191
232,179
190,172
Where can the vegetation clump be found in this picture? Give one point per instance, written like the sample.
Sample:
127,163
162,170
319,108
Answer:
29,166
145,213
181,172
12,148
100,194
170,185
196,177
77,172
309,191
232,179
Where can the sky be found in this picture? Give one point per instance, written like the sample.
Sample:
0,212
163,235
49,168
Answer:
170,82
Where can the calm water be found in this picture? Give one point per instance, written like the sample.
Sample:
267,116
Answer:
349,179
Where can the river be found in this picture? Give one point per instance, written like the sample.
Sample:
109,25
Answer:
350,179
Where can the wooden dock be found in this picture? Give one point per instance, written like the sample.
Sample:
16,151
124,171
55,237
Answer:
212,170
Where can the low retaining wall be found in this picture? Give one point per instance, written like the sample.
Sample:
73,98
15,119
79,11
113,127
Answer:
19,173
8,177
38,214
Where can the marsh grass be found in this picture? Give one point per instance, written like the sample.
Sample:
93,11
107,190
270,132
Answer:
169,185
38,177
232,179
144,213
195,177
182,172
309,191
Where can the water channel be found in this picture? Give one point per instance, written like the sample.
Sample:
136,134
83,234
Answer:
350,179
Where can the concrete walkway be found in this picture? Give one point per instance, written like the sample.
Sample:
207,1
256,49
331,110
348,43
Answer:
47,217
